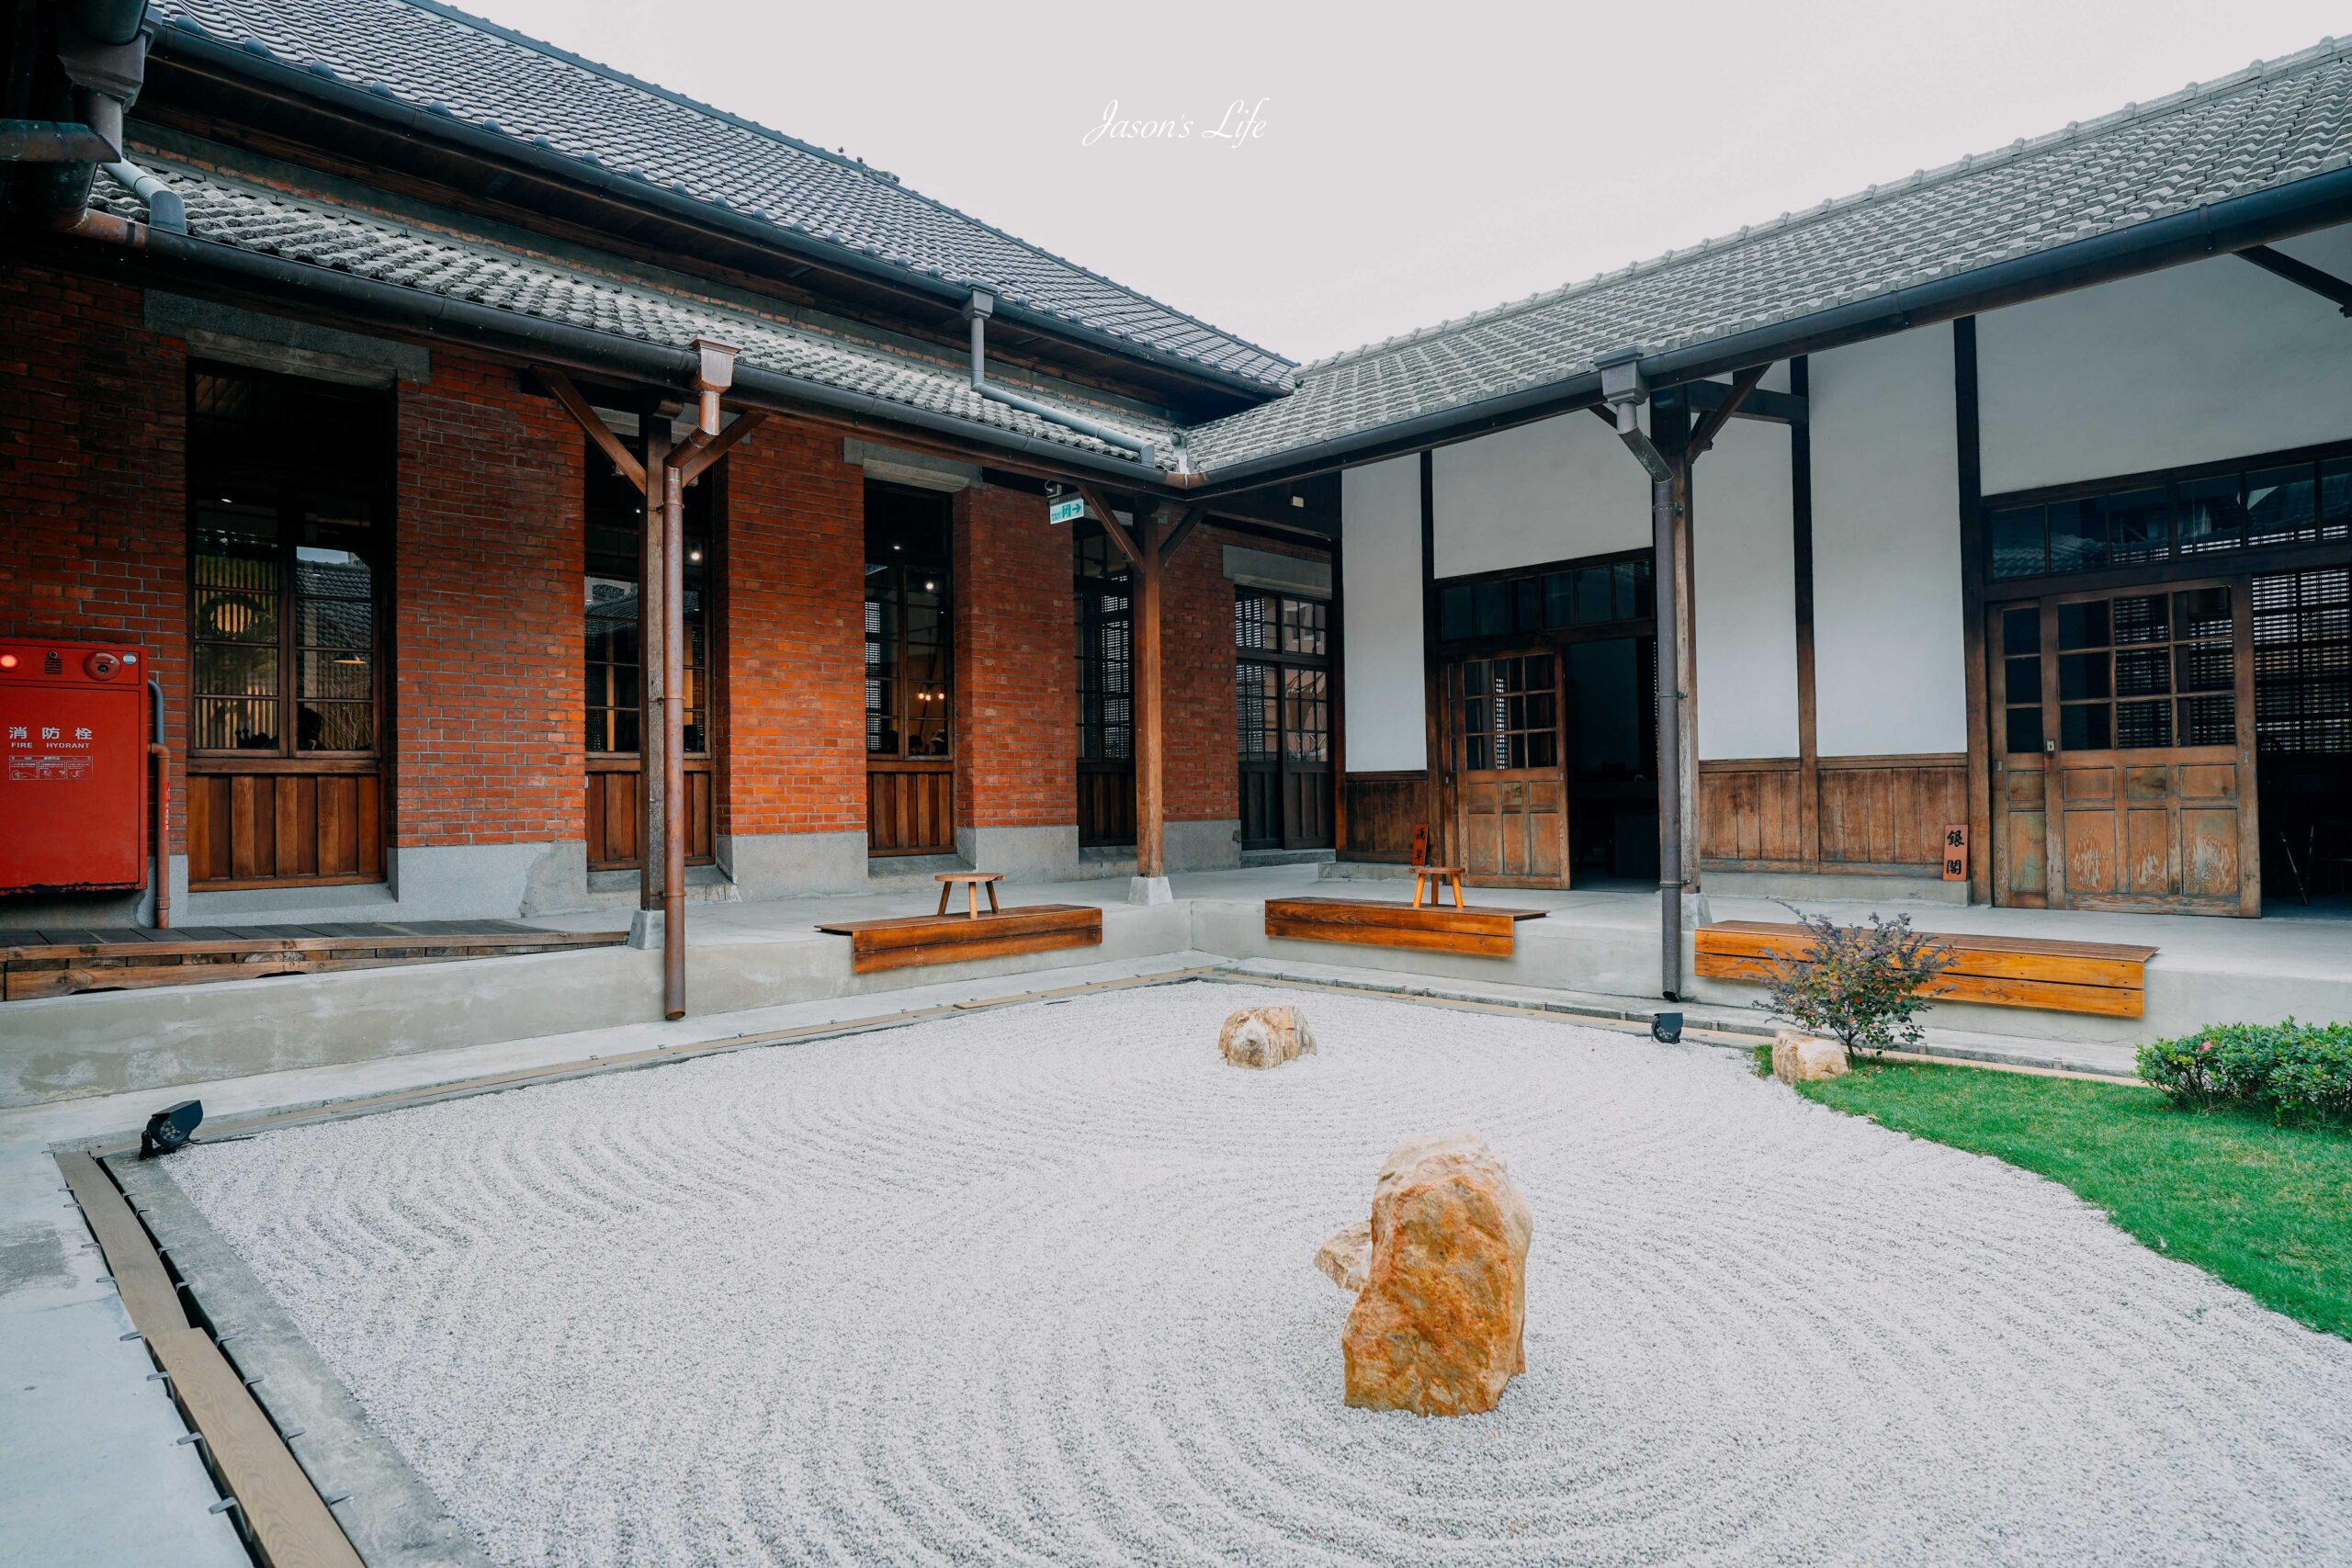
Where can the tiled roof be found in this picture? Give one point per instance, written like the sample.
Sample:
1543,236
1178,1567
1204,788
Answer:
2264,127
467,268
432,58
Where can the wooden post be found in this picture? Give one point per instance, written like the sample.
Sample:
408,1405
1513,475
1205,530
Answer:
1801,549
673,742
1669,539
1967,445
652,636
1151,859
1334,687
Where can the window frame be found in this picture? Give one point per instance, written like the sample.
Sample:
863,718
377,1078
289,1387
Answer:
292,474
1533,576
946,594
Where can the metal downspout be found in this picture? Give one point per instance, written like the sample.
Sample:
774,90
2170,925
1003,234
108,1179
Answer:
982,305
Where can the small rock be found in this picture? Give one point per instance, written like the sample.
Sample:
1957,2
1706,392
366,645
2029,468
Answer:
1347,1256
1265,1037
1798,1057
1440,1327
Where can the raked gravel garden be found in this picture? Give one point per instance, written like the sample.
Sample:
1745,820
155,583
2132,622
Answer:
1036,1285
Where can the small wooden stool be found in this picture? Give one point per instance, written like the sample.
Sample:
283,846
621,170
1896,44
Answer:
973,882
1431,880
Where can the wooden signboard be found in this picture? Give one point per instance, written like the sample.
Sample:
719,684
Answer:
1955,856
1422,844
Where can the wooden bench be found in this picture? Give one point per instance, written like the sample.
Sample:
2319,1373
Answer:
1485,932
2106,978
909,942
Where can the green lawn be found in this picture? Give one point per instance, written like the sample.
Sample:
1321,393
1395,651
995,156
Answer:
2268,1208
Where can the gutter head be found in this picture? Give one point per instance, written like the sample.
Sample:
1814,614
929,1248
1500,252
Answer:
980,306
1621,381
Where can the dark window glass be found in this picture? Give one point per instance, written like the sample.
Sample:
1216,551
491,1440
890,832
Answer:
1645,591
1527,594
1596,595
2303,650
2201,613
1456,615
1303,625
2022,630
2017,542
1306,729
1253,620
2280,504
2083,623
2022,677
2139,618
2085,727
613,512
2024,731
1559,598
2211,514
2142,672
2208,721
1494,608
1257,705
2142,725
2139,526
2083,675
2077,534
2335,499
1105,649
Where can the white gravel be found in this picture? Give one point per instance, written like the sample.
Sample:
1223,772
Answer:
1037,1286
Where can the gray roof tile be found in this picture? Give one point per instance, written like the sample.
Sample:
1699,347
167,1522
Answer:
440,59
461,266
2264,127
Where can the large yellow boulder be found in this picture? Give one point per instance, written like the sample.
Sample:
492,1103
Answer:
1439,1328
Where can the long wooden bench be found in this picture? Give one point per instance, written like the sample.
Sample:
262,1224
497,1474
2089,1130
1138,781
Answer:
1483,931
63,963
2103,978
908,941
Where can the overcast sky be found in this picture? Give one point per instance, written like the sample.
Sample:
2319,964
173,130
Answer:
1410,166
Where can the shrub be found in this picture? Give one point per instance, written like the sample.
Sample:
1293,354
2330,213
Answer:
1865,985
2295,1071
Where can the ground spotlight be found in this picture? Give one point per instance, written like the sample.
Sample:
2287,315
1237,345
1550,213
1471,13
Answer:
1666,1028
170,1128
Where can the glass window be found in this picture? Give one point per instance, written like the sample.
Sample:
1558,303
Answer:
2335,499
2136,672
2017,542
1306,733
909,631
1559,598
1258,709
2212,517
1509,713
1494,608
1106,647
2139,526
1456,616
2279,505
2077,534
286,555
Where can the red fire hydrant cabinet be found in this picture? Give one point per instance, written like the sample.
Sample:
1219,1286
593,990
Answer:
72,767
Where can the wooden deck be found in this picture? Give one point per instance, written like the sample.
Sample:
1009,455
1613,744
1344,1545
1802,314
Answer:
2101,977
63,961
908,941
1482,931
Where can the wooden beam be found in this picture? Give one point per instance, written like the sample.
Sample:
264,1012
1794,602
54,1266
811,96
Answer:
147,1291
624,461
692,468
2303,274
1110,521
1767,408
1743,386
1179,533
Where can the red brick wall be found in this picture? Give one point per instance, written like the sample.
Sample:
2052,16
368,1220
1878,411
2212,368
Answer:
1016,663
795,596
487,711
93,475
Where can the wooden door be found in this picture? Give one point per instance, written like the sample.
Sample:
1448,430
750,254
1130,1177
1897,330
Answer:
1510,791
2124,771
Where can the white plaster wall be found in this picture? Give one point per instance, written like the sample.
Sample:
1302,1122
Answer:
1746,579
1888,655
1380,514
2196,364
1552,491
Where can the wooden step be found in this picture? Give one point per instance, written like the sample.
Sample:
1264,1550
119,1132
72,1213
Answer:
908,941
62,962
1482,931
2105,979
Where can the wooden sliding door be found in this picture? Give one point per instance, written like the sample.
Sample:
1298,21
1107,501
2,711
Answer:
2123,775
1512,812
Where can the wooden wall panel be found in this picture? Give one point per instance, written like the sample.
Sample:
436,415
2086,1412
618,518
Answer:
616,813
277,827
1106,803
1874,814
1381,813
910,808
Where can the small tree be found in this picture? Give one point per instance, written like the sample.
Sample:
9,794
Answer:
1862,985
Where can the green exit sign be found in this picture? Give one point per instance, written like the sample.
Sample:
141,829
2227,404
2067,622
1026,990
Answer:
1068,511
